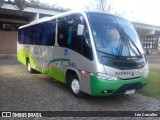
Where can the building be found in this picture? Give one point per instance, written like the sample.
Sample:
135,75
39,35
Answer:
10,20
150,37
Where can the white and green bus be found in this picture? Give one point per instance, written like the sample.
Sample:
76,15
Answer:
92,52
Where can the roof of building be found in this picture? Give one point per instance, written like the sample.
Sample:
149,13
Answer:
146,26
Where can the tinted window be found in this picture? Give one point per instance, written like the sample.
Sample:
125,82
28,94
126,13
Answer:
87,50
62,32
48,34
67,35
40,34
27,36
36,33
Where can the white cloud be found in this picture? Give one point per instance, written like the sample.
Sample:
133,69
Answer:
136,10
139,10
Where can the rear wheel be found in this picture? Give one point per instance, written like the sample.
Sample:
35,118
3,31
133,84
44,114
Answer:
76,87
30,70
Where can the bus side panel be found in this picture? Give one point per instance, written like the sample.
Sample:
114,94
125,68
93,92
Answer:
89,68
56,64
56,73
21,58
50,65
25,52
22,53
64,59
43,55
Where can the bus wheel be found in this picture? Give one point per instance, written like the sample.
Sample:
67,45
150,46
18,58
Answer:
30,70
75,87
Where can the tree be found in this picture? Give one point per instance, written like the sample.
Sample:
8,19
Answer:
20,4
1,3
35,3
103,5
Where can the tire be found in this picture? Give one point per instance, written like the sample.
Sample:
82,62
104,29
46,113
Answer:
75,87
30,70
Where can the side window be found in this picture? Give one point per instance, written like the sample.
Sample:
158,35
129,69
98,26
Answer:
67,33
74,41
35,34
87,49
40,34
23,36
48,33
20,36
62,32
26,36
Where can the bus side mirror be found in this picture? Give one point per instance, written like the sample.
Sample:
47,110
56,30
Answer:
80,29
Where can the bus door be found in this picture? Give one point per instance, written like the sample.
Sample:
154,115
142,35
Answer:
68,52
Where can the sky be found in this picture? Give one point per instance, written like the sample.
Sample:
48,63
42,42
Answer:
144,11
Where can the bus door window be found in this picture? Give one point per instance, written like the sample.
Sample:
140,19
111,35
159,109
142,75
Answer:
62,32
67,33
87,49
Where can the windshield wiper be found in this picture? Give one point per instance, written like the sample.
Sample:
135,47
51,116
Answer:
126,40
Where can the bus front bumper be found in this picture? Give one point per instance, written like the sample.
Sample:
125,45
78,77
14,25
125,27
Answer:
100,87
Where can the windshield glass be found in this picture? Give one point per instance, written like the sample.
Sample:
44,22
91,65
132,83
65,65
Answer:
114,35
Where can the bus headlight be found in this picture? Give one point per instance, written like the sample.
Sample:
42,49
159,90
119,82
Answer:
106,76
146,73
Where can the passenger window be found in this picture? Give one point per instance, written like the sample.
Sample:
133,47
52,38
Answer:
27,36
36,32
40,34
20,36
48,33
62,32
67,35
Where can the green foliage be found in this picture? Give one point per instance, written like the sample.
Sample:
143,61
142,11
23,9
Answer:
34,2
152,89
1,3
20,4
38,4
103,5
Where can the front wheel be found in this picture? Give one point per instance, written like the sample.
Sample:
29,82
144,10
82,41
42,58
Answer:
76,87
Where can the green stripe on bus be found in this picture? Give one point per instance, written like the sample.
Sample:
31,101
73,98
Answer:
58,59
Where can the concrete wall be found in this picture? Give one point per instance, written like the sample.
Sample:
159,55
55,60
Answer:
8,42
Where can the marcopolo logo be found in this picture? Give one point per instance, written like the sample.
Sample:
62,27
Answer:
125,73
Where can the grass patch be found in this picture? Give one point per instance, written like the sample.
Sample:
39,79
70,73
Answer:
152,89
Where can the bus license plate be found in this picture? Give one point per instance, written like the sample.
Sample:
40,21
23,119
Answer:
128,92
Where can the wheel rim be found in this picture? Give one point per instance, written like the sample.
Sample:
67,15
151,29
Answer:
75,86
29,67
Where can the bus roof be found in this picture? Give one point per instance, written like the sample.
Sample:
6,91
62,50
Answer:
45,19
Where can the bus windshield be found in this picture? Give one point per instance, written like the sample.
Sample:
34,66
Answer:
114,35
